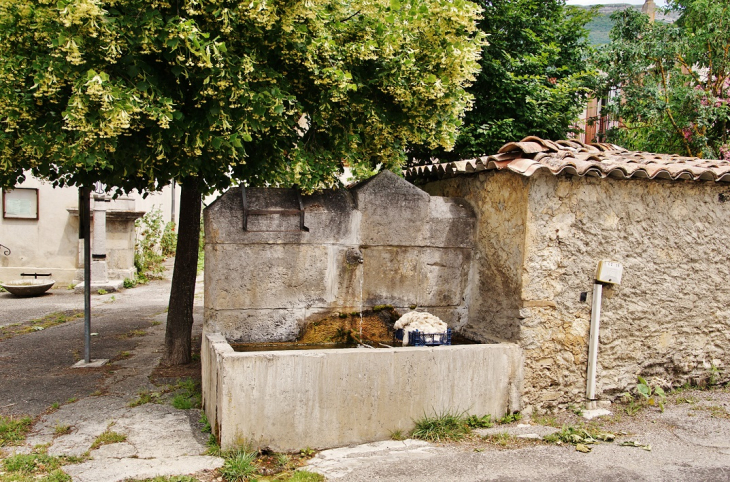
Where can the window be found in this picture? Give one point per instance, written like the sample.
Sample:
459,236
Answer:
20,203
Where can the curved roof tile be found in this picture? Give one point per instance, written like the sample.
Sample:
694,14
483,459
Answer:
572,157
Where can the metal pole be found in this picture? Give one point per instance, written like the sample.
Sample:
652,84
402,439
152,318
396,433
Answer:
593,341
86,227
172,213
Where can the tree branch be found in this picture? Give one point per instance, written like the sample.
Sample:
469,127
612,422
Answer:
669,110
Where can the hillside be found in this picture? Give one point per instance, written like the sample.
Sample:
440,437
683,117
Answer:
602,24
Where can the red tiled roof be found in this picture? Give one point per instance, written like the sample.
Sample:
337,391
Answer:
532,154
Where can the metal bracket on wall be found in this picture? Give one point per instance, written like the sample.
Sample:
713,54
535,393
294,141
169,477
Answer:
263,212
5,250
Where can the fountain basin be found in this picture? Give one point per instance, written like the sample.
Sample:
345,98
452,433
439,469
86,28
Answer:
293,399
27,288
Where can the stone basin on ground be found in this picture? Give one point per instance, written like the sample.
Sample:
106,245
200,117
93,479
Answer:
28,288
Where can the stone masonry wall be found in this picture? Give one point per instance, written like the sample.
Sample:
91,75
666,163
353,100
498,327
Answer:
266,283
669,320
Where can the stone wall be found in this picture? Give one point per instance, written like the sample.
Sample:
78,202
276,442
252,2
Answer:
266,283
539,240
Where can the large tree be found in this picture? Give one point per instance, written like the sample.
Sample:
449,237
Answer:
534,79
668,85
135,93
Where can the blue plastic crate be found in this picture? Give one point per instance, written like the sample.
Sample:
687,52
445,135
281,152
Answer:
416,338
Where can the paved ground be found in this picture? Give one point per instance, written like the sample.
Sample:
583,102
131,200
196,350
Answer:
36,376
689,441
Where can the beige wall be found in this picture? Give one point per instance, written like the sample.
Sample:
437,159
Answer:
539,242
51,244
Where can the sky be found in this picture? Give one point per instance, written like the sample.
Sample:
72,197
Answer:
659,3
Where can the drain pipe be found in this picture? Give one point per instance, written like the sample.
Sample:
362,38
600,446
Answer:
608,272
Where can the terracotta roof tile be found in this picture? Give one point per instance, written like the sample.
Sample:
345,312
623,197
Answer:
572,157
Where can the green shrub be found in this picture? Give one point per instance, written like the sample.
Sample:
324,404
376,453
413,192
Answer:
168,242
479,422
148,257
444,426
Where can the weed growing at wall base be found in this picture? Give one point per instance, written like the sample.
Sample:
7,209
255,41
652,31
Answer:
441,427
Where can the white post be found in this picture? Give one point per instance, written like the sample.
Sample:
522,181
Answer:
593,342
99,267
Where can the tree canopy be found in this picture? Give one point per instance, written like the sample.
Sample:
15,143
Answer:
137,92
534,77
668,85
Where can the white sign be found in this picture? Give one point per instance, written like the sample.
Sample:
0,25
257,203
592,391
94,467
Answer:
20,204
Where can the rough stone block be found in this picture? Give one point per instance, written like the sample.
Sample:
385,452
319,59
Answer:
328,216
451,223
268,276
255,326
392,276
394,212
443,276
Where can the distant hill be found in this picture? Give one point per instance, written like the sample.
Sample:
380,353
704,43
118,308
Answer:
602,24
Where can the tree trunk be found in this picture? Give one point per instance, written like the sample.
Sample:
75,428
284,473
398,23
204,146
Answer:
180,310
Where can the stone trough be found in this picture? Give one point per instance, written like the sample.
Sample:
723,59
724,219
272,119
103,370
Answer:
289,400
277,262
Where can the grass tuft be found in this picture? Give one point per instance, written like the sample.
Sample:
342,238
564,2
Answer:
13,430
108,437
189,395
238,466
441,427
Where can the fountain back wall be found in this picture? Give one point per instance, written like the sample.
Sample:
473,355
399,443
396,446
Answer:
266,283
300,259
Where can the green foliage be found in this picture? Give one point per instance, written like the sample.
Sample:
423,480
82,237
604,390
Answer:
307,452
29,463
146,396
534,79
206,424
13,430
579,435
101,291
599,29
147,253
238,466
136,93
107,437
168,242
398,435
669,83
189,395
652,395
174,478
129,283
479,422
715,375
304,476
510,418
441,427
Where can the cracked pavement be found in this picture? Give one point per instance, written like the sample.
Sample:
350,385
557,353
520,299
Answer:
36,376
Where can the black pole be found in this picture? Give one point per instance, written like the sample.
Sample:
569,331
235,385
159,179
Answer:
85,233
